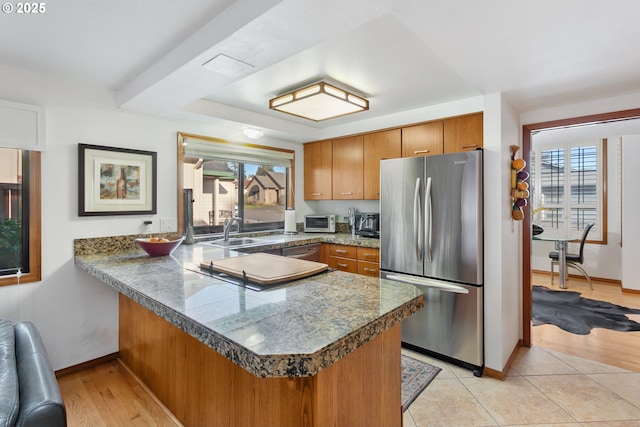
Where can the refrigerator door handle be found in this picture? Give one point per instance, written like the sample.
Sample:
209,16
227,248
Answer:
445,287
429,220
417,220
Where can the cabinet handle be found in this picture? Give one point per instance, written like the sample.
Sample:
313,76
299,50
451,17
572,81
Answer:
346,194
342,265
341,251
469,146
316,194
373,270
421,151
369,255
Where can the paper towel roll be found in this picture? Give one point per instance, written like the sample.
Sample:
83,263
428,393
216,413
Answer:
290,221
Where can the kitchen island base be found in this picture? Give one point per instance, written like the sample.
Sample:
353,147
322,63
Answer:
203,388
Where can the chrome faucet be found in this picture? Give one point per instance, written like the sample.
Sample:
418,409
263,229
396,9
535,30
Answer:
227,226
352,221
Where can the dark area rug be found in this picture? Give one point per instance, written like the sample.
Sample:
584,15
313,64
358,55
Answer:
573,313
416,376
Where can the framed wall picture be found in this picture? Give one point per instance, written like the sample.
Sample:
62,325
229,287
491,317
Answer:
116,181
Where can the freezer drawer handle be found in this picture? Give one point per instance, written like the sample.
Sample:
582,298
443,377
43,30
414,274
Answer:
428,284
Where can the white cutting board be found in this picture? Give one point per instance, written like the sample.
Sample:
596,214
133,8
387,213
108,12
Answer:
266,269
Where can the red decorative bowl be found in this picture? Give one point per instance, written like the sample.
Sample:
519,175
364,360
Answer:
159,247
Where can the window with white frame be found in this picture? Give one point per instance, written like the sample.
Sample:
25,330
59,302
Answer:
567,181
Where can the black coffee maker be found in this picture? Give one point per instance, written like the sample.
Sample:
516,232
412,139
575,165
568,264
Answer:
368,224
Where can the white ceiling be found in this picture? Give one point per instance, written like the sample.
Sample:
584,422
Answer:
400,54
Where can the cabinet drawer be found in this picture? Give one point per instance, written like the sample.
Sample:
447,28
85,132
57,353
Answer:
343,251
369,268
368,254
343,264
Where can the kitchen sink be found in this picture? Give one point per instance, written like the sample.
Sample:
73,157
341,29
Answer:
238,243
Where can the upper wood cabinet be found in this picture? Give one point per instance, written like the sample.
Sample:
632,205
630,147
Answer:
348,167
463,133
422,140
317,170
378,146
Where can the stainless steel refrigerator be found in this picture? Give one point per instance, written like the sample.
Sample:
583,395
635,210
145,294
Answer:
431,235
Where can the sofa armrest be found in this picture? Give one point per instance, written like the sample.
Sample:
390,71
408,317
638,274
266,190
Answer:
9,392
41,403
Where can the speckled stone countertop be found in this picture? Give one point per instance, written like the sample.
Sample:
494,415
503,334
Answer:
292,330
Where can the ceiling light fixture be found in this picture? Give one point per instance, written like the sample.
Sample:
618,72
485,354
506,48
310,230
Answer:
319,101
253,133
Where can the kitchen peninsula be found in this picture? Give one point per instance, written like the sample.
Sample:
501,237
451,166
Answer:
320,351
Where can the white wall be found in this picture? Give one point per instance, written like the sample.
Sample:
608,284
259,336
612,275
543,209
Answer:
502,257
77,314
630,208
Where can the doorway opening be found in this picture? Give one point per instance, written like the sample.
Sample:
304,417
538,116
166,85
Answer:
527,132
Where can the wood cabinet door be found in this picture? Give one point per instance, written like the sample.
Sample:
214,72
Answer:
348,166
343,251
317,170
378,146
343,264
463,133
422,140
368,254
369,268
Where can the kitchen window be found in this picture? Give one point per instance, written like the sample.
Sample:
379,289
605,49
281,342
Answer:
567,182
221,180
19,216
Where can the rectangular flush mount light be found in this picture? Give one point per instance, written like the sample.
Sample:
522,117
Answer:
320,101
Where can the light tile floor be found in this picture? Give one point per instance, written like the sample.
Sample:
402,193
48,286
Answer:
543,388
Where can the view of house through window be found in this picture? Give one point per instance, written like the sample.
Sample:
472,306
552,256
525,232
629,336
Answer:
566,187
217,189
13,233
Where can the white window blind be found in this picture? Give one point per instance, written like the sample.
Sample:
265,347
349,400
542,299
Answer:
222,150
21,126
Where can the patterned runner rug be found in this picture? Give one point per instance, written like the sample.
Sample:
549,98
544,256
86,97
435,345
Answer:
416,376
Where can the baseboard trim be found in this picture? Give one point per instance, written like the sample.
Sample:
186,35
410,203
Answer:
614,282
86,365
501,375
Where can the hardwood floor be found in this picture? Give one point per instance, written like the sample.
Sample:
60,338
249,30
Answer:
108,395
621,349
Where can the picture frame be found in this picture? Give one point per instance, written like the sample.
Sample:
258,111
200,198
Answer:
116,181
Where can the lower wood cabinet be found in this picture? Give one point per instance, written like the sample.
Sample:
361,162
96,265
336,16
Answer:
352,259
368,261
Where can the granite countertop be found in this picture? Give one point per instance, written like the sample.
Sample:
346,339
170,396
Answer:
292,330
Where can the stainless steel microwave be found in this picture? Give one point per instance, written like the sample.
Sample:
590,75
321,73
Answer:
319,223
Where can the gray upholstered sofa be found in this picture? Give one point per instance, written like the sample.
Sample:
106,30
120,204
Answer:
29,393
